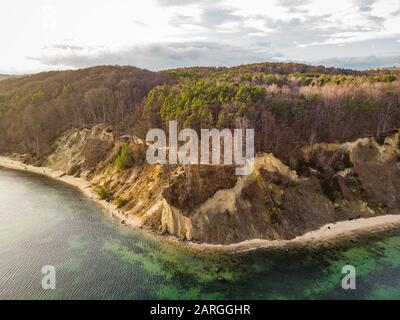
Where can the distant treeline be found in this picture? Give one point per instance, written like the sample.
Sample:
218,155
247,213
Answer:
289,105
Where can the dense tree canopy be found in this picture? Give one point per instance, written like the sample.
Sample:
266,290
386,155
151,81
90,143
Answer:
288,105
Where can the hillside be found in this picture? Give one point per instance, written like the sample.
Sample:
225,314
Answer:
210,204
289,105
327,142
7,76
35,110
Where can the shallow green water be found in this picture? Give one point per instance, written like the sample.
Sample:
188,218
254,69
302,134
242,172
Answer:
43,222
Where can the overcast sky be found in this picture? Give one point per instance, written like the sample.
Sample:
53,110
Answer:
160,34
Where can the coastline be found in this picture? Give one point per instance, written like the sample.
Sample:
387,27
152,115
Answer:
82,185
327,233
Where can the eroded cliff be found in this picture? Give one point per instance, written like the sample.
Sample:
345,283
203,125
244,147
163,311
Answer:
327,183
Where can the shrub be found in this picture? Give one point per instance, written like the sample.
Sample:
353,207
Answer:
388,78
129,156
103,193
125,158
120,202
67,89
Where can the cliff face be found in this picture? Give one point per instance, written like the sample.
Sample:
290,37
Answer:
331,182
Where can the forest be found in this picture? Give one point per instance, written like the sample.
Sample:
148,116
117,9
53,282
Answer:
289,105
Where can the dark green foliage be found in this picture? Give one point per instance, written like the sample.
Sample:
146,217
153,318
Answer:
289,105
103,193
248,93
128,156
389,78
197,103
125,159
120,202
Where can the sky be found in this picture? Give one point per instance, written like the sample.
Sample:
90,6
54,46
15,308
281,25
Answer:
162,34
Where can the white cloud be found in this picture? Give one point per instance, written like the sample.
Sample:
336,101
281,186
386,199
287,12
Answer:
305,30
49,20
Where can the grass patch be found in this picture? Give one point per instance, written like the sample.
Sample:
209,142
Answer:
128,156
120,202
103,193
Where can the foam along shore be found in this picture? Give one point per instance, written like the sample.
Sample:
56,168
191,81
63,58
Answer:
327,233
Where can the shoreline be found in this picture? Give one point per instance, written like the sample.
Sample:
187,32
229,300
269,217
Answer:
327,233
82,185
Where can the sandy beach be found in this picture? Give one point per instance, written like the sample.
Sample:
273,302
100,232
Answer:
327,233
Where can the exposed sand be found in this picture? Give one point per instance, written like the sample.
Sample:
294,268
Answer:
330,232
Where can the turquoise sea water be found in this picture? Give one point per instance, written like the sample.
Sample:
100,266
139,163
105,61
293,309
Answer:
44,222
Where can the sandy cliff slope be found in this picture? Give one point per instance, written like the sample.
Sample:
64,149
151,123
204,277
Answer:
330,183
